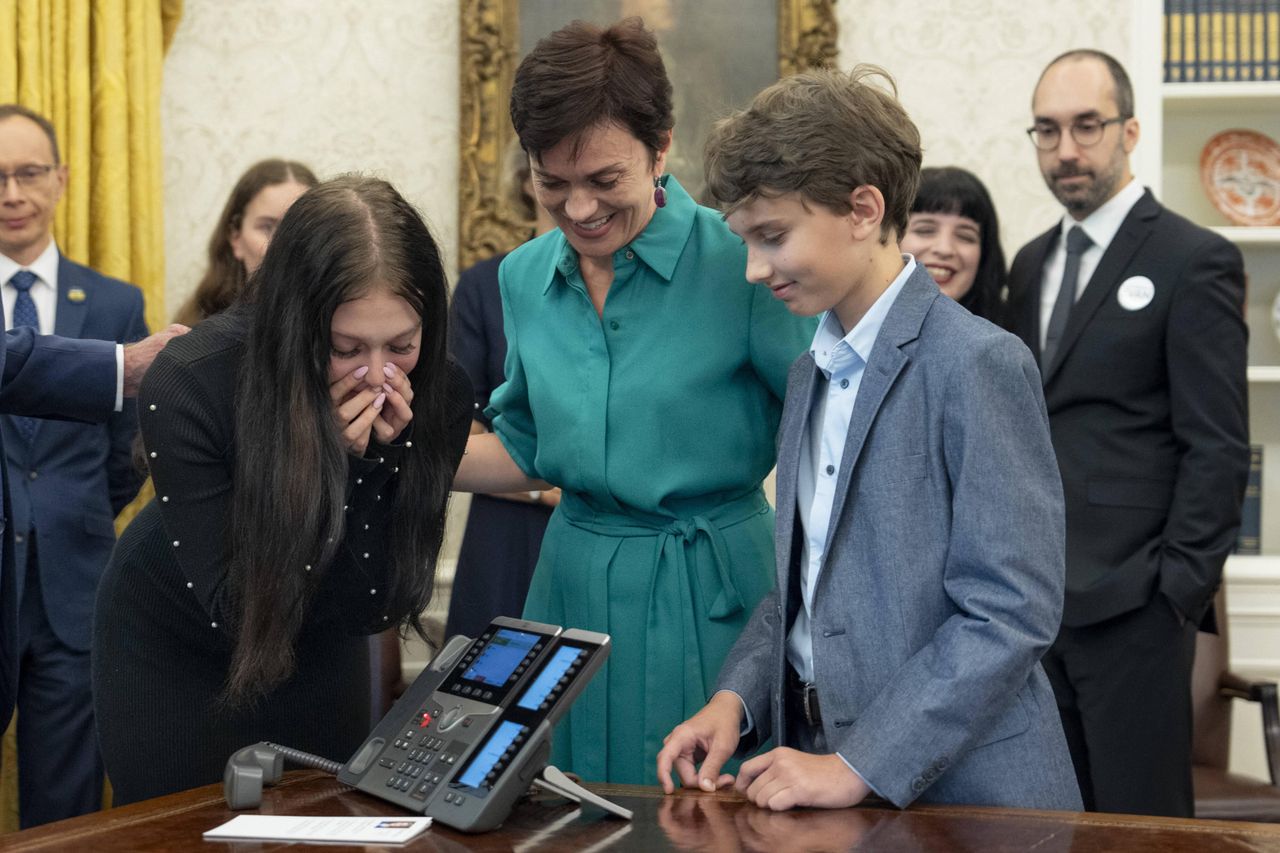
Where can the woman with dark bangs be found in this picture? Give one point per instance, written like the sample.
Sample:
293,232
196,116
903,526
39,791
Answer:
954,232
302,446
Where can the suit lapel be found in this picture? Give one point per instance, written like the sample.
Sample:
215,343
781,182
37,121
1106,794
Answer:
901,326
73,300
1028,324
1106,278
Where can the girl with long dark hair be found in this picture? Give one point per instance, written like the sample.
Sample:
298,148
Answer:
302,447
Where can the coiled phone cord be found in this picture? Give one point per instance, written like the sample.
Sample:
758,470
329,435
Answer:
306,759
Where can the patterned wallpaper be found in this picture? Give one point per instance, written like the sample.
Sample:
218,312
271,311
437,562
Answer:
368,86
965,71
373,86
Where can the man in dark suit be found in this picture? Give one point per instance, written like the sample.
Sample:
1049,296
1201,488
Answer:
69,480
1136,317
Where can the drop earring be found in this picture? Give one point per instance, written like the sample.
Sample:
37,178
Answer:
659,193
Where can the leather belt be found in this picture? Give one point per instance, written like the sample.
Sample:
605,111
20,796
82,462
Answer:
806,698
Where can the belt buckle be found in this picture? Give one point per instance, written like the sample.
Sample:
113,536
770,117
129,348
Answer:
809,699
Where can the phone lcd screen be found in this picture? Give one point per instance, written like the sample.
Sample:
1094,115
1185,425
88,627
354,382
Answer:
500,657
489,754
548,678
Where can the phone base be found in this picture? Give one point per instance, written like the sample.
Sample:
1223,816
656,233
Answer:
553,780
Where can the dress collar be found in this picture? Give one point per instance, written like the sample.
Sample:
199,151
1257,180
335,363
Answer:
659,245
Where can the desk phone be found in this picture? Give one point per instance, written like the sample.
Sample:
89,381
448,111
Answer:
470,735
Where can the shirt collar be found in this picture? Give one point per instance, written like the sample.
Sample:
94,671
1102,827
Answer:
659,245
832,349
1103,223
45,266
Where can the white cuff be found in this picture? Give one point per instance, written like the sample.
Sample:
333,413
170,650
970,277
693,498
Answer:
119,378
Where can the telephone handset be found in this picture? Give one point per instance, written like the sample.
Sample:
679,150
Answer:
474,730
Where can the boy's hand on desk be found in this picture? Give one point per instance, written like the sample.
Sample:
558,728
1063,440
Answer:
710,737
784,778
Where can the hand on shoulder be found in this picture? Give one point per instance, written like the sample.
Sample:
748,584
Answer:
138,356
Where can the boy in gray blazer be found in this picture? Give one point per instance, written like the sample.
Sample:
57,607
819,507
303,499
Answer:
920,517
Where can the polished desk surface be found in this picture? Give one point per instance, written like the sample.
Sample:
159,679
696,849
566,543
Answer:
687,820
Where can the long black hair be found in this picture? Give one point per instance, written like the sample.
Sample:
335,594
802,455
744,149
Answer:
949,189
336,241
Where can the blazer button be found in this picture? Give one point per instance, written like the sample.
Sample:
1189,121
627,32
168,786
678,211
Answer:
33,475
918,785
19,538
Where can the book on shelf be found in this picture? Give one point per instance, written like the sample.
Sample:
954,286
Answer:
1173,41
1221,40
1272,39
1249,540
1259,34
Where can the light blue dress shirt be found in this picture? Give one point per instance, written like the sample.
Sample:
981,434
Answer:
842,358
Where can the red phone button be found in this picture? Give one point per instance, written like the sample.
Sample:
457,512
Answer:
426,720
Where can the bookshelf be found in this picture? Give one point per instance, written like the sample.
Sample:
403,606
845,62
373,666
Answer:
1177,119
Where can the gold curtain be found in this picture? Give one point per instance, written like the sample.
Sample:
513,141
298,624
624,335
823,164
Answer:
93,67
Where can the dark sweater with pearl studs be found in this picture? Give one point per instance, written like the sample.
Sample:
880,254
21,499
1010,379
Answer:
163,634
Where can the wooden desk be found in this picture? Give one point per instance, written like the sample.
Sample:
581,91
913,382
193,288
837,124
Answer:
689,820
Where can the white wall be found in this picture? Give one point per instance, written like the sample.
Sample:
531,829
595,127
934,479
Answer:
366,86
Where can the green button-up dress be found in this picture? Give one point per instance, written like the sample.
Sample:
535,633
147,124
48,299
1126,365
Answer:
657,420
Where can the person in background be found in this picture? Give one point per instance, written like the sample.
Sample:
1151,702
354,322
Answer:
67,482
953,231
1136,316
302,445
504,531
239,241
644,377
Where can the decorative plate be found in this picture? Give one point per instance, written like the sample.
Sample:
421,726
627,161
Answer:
1240,171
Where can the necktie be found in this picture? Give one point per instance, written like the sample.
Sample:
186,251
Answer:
1077,242
24,314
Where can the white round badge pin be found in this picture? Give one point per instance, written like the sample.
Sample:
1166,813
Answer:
1136,293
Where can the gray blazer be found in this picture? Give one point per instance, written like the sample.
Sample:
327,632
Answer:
942,583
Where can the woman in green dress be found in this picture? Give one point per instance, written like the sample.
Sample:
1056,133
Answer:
645,377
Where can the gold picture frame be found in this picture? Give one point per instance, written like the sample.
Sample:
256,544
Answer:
488,221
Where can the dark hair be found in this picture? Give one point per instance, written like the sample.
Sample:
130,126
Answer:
583,75
821,134
336,241
11,110
224,277
1119,77
956,191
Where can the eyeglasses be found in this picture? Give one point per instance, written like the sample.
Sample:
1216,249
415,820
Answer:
27,177
1046,135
